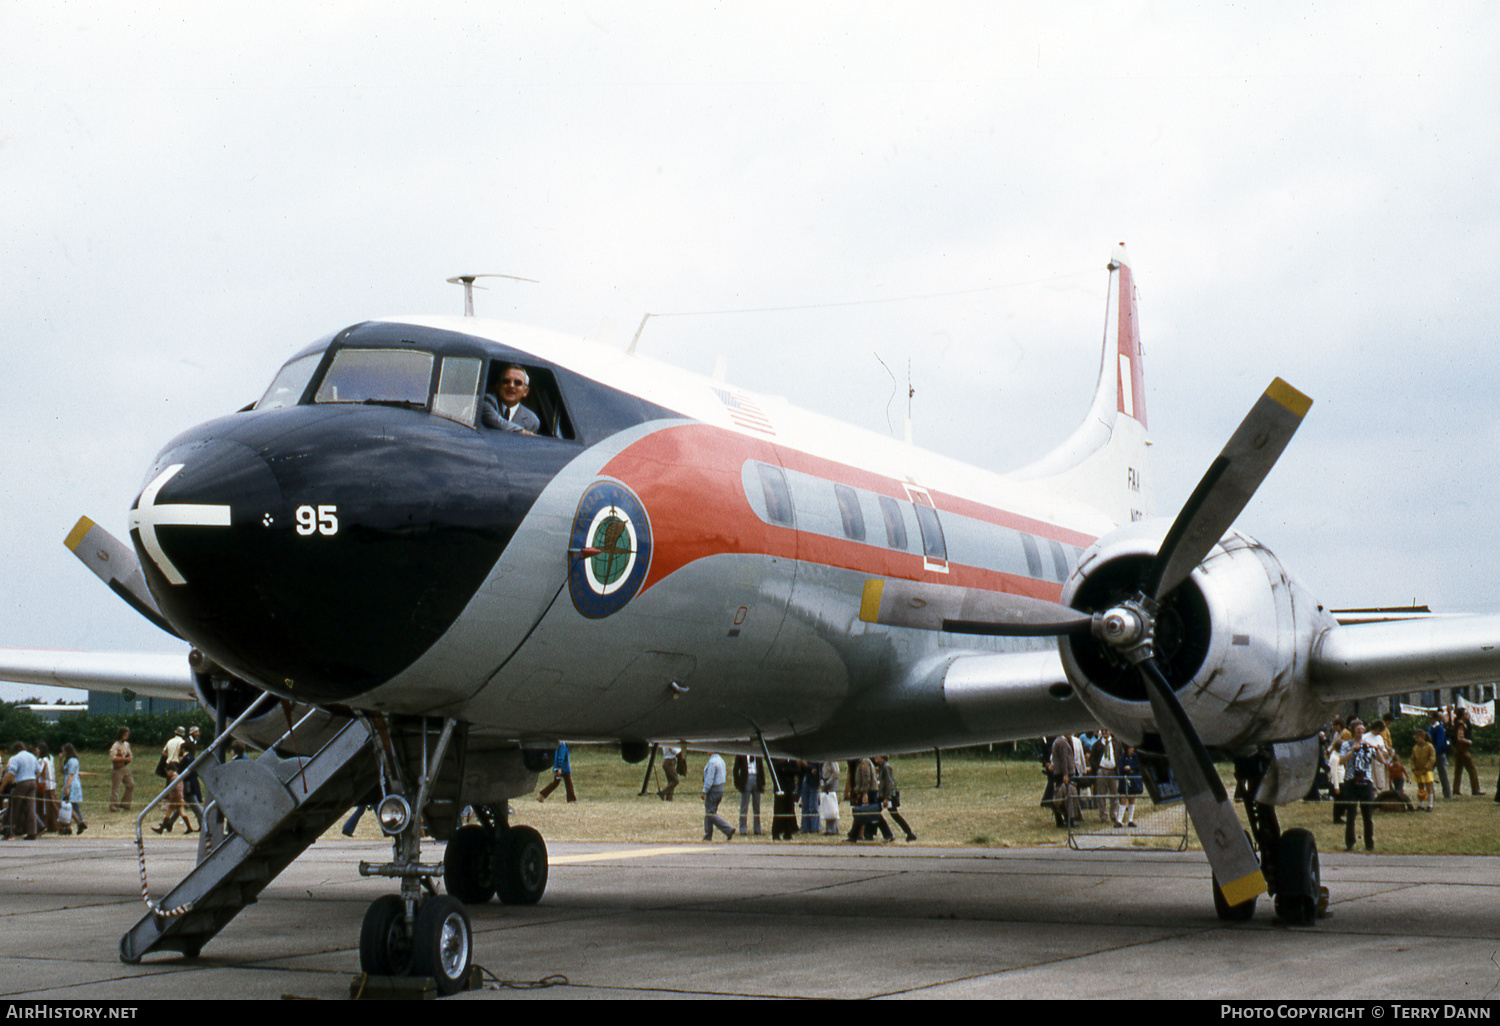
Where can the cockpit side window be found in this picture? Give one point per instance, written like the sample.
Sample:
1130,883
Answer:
393,377
458,389
543,398
291,381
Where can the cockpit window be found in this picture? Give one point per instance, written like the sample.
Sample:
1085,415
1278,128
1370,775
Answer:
458,389
395,377
291,381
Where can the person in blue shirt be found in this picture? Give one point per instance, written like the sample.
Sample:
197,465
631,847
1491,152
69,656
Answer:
713,793
20,777
562,773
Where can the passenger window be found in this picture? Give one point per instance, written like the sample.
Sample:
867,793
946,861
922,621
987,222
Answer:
934,548
1059,560
1033,555
932,533
778,498
391,377
849,511
895,524
458,390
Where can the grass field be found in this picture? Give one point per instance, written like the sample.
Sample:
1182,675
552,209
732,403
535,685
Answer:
983,803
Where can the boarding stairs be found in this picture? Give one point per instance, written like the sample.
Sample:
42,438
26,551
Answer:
275,809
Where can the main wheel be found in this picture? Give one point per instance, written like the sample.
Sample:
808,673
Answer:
520,866
1298,882
384,944
443,943
469,865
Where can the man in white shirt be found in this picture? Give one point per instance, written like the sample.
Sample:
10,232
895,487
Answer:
669,755
713,793
172,750
1103,763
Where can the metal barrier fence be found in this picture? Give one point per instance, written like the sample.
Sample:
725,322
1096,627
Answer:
1098,805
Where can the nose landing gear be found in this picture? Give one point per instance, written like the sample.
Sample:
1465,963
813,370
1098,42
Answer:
421,933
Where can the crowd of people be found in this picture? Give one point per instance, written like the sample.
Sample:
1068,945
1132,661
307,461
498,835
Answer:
37,798
1360,771
808,800
1091,770
1363,772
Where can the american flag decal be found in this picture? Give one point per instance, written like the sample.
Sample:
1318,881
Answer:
744,412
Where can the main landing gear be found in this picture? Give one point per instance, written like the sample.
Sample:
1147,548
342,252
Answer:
1289,860
492,858
419,932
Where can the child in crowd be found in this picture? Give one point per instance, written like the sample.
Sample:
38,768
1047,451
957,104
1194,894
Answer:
1423,760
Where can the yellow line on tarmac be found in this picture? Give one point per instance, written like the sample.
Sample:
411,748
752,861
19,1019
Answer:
607,856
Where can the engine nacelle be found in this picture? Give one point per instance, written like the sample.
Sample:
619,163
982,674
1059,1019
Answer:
1233,641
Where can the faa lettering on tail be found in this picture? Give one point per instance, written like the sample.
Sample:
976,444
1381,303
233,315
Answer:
435,604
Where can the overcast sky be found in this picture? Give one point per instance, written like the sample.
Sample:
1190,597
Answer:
191,192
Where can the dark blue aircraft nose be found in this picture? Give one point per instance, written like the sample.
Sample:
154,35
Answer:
318,554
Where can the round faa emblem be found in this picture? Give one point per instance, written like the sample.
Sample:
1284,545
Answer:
609,550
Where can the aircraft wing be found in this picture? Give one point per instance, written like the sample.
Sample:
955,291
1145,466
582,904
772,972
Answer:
1358,660
151,674
1013,695
963,699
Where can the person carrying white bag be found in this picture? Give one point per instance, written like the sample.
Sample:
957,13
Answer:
828,797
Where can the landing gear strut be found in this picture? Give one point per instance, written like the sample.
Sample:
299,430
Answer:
1289,861
418,932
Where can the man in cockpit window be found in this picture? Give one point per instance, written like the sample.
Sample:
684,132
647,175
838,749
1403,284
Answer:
508,414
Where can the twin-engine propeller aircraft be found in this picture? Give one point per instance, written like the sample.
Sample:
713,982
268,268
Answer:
436,602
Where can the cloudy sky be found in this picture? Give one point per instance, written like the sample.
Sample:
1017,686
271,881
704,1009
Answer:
193,191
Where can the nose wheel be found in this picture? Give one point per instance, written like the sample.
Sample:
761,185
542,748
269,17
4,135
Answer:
443,945
385,938
438,942
420,933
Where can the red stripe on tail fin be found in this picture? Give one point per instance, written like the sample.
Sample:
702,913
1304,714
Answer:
1130,379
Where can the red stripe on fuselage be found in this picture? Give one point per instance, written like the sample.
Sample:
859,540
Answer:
689,479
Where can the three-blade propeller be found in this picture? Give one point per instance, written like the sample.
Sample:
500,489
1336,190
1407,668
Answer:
1129,628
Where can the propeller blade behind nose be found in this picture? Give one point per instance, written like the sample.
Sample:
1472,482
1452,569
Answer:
114,563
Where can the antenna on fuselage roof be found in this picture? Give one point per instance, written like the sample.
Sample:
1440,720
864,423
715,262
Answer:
467,281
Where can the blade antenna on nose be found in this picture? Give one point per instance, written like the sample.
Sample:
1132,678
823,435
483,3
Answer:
467,281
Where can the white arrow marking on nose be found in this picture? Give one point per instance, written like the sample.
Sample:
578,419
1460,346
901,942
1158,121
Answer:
147,517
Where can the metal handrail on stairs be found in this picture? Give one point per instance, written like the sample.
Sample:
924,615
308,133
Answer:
209,752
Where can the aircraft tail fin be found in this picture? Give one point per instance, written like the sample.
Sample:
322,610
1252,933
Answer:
1105,463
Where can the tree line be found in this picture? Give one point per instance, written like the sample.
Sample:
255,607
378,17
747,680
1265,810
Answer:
89,733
